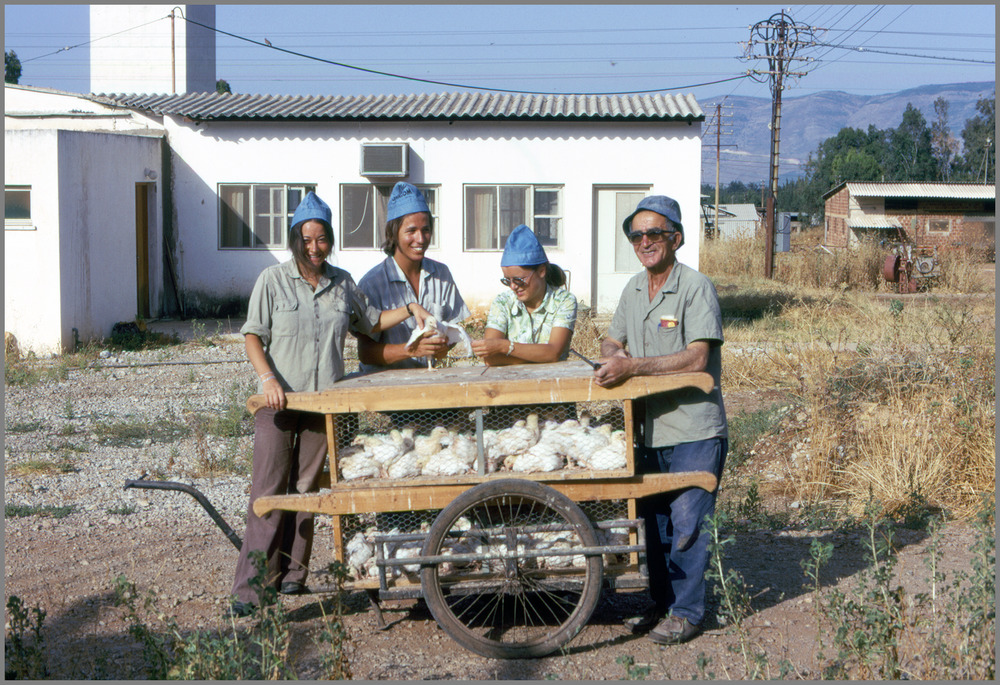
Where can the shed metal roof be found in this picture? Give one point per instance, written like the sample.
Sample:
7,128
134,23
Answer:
950,191
873,221
446,106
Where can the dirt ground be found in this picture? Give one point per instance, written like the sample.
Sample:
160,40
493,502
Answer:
67,567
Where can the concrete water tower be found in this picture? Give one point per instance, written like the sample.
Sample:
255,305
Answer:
141,49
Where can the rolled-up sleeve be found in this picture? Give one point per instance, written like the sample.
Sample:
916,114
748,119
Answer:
259,310
364,317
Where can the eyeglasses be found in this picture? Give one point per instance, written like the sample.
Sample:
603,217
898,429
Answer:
519,282
655,235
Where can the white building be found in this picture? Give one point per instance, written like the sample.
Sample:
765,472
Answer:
195,190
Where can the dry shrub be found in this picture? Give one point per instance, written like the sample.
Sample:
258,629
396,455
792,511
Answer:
856,268
732,257
895,400
964,271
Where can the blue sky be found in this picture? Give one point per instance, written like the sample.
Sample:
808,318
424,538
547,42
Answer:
865,49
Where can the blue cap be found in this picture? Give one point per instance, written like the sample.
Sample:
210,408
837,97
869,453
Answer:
312,208
523,249
662,205
405,199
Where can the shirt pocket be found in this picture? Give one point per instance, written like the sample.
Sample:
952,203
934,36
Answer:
284,319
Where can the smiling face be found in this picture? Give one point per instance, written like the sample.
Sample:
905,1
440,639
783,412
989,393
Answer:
659,255
413,237
316,245
528,283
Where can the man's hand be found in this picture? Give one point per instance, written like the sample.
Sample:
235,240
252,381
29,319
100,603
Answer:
614,369
429,346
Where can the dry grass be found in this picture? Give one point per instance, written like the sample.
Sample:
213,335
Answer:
898,399
894,395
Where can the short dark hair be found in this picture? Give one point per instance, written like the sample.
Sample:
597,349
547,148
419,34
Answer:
297,244
392,232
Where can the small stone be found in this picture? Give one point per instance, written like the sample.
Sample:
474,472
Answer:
105,354
84,562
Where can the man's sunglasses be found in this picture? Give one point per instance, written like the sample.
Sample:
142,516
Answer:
655,236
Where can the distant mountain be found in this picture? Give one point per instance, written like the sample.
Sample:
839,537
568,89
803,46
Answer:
808,120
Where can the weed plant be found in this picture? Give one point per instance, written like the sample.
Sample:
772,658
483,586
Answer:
51,511
24,646
879,632
133,433
258,653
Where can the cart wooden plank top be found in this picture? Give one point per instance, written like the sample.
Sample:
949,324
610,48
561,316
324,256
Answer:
479,386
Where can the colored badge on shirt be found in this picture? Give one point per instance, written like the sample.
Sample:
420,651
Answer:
668,321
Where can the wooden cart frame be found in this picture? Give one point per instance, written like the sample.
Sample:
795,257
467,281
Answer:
550,498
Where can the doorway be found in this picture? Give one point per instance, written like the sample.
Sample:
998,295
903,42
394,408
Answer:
614,259
143,220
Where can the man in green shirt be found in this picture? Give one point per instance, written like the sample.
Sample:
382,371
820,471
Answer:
668,321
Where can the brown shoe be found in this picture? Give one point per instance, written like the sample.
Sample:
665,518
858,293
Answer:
644,622
673,630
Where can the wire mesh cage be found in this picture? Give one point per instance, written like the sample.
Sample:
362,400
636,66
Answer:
371,537
449,442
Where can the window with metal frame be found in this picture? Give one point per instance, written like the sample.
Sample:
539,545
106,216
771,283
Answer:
257,216
493,211
17,207
939,225
363,212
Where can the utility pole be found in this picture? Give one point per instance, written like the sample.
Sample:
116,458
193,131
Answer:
173,55
719,115
781,38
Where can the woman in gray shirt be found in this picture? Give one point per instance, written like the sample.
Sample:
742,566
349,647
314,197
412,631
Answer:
299,315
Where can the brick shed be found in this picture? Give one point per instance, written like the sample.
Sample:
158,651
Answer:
941,215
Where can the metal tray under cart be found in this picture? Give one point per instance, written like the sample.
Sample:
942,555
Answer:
510,564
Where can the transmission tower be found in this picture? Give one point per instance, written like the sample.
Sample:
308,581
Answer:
781,38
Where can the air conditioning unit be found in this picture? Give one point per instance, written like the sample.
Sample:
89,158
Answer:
385,159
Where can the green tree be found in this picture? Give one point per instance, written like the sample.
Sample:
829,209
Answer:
978,142
11,67
910,155
222,86
944,146
856,165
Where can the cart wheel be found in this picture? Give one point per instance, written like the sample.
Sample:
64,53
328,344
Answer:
511,604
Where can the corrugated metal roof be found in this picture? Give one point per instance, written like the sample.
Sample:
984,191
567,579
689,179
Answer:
873,221
951,191
226,106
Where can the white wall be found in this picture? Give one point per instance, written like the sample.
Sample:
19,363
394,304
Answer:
134,53
32,306
98,173
449,154
78,268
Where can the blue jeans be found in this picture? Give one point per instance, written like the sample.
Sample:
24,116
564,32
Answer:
676,547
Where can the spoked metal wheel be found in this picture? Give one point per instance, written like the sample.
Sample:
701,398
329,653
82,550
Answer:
504,577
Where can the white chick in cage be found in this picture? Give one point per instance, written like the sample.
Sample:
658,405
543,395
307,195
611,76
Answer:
463,447
384,448
589,441
518,438
541,456
404,466
445,463
408,550
358,465
560,435
427,446
610,456
359,553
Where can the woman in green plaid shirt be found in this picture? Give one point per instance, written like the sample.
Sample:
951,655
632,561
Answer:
534,320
